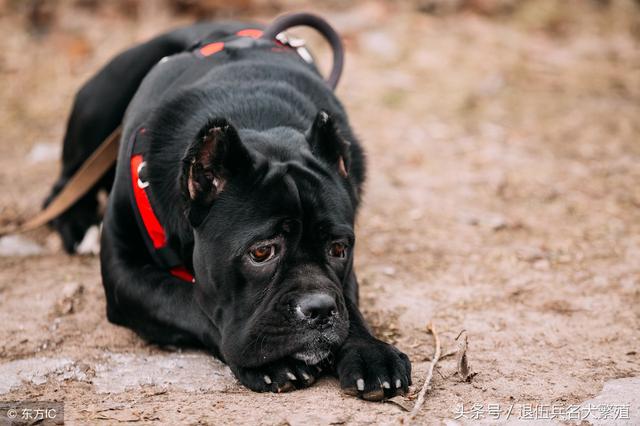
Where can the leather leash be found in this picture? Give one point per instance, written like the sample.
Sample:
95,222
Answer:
80,183
291,20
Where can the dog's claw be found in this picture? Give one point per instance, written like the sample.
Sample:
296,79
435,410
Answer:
281,376
373,370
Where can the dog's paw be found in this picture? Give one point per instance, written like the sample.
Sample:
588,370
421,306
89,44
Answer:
72,225
372,370
281,376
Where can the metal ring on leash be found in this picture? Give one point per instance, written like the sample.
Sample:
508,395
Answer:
285,22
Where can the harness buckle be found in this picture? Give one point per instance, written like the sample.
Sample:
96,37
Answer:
142,184
297,44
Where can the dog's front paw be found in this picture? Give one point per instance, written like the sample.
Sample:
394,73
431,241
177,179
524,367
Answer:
372,370
281,376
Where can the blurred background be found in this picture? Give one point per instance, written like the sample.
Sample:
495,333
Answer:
504,198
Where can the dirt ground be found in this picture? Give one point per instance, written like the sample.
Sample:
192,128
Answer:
503,199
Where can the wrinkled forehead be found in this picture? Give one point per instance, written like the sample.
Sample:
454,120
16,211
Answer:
309,191
323,195
289,171
302,189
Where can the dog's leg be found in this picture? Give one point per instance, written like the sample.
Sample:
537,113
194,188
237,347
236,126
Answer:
156,305
97,111
368,367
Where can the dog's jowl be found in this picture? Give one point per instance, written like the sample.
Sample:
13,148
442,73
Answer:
230,220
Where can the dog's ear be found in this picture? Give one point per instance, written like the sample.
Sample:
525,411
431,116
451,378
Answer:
214,156
326,143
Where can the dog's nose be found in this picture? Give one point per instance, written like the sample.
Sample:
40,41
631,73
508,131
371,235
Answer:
316,307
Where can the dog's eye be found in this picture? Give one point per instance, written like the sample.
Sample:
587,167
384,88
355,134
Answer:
338,249
261,254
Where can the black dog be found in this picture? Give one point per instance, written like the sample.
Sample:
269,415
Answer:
253,174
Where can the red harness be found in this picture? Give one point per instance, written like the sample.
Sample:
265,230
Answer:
215,47
153,232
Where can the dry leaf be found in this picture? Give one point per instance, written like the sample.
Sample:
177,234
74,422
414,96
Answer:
464,371
400,401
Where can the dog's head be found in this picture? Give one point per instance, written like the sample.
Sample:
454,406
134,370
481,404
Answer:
273,214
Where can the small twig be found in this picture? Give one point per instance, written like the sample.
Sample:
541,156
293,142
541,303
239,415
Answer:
443,356
460,334
436,356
